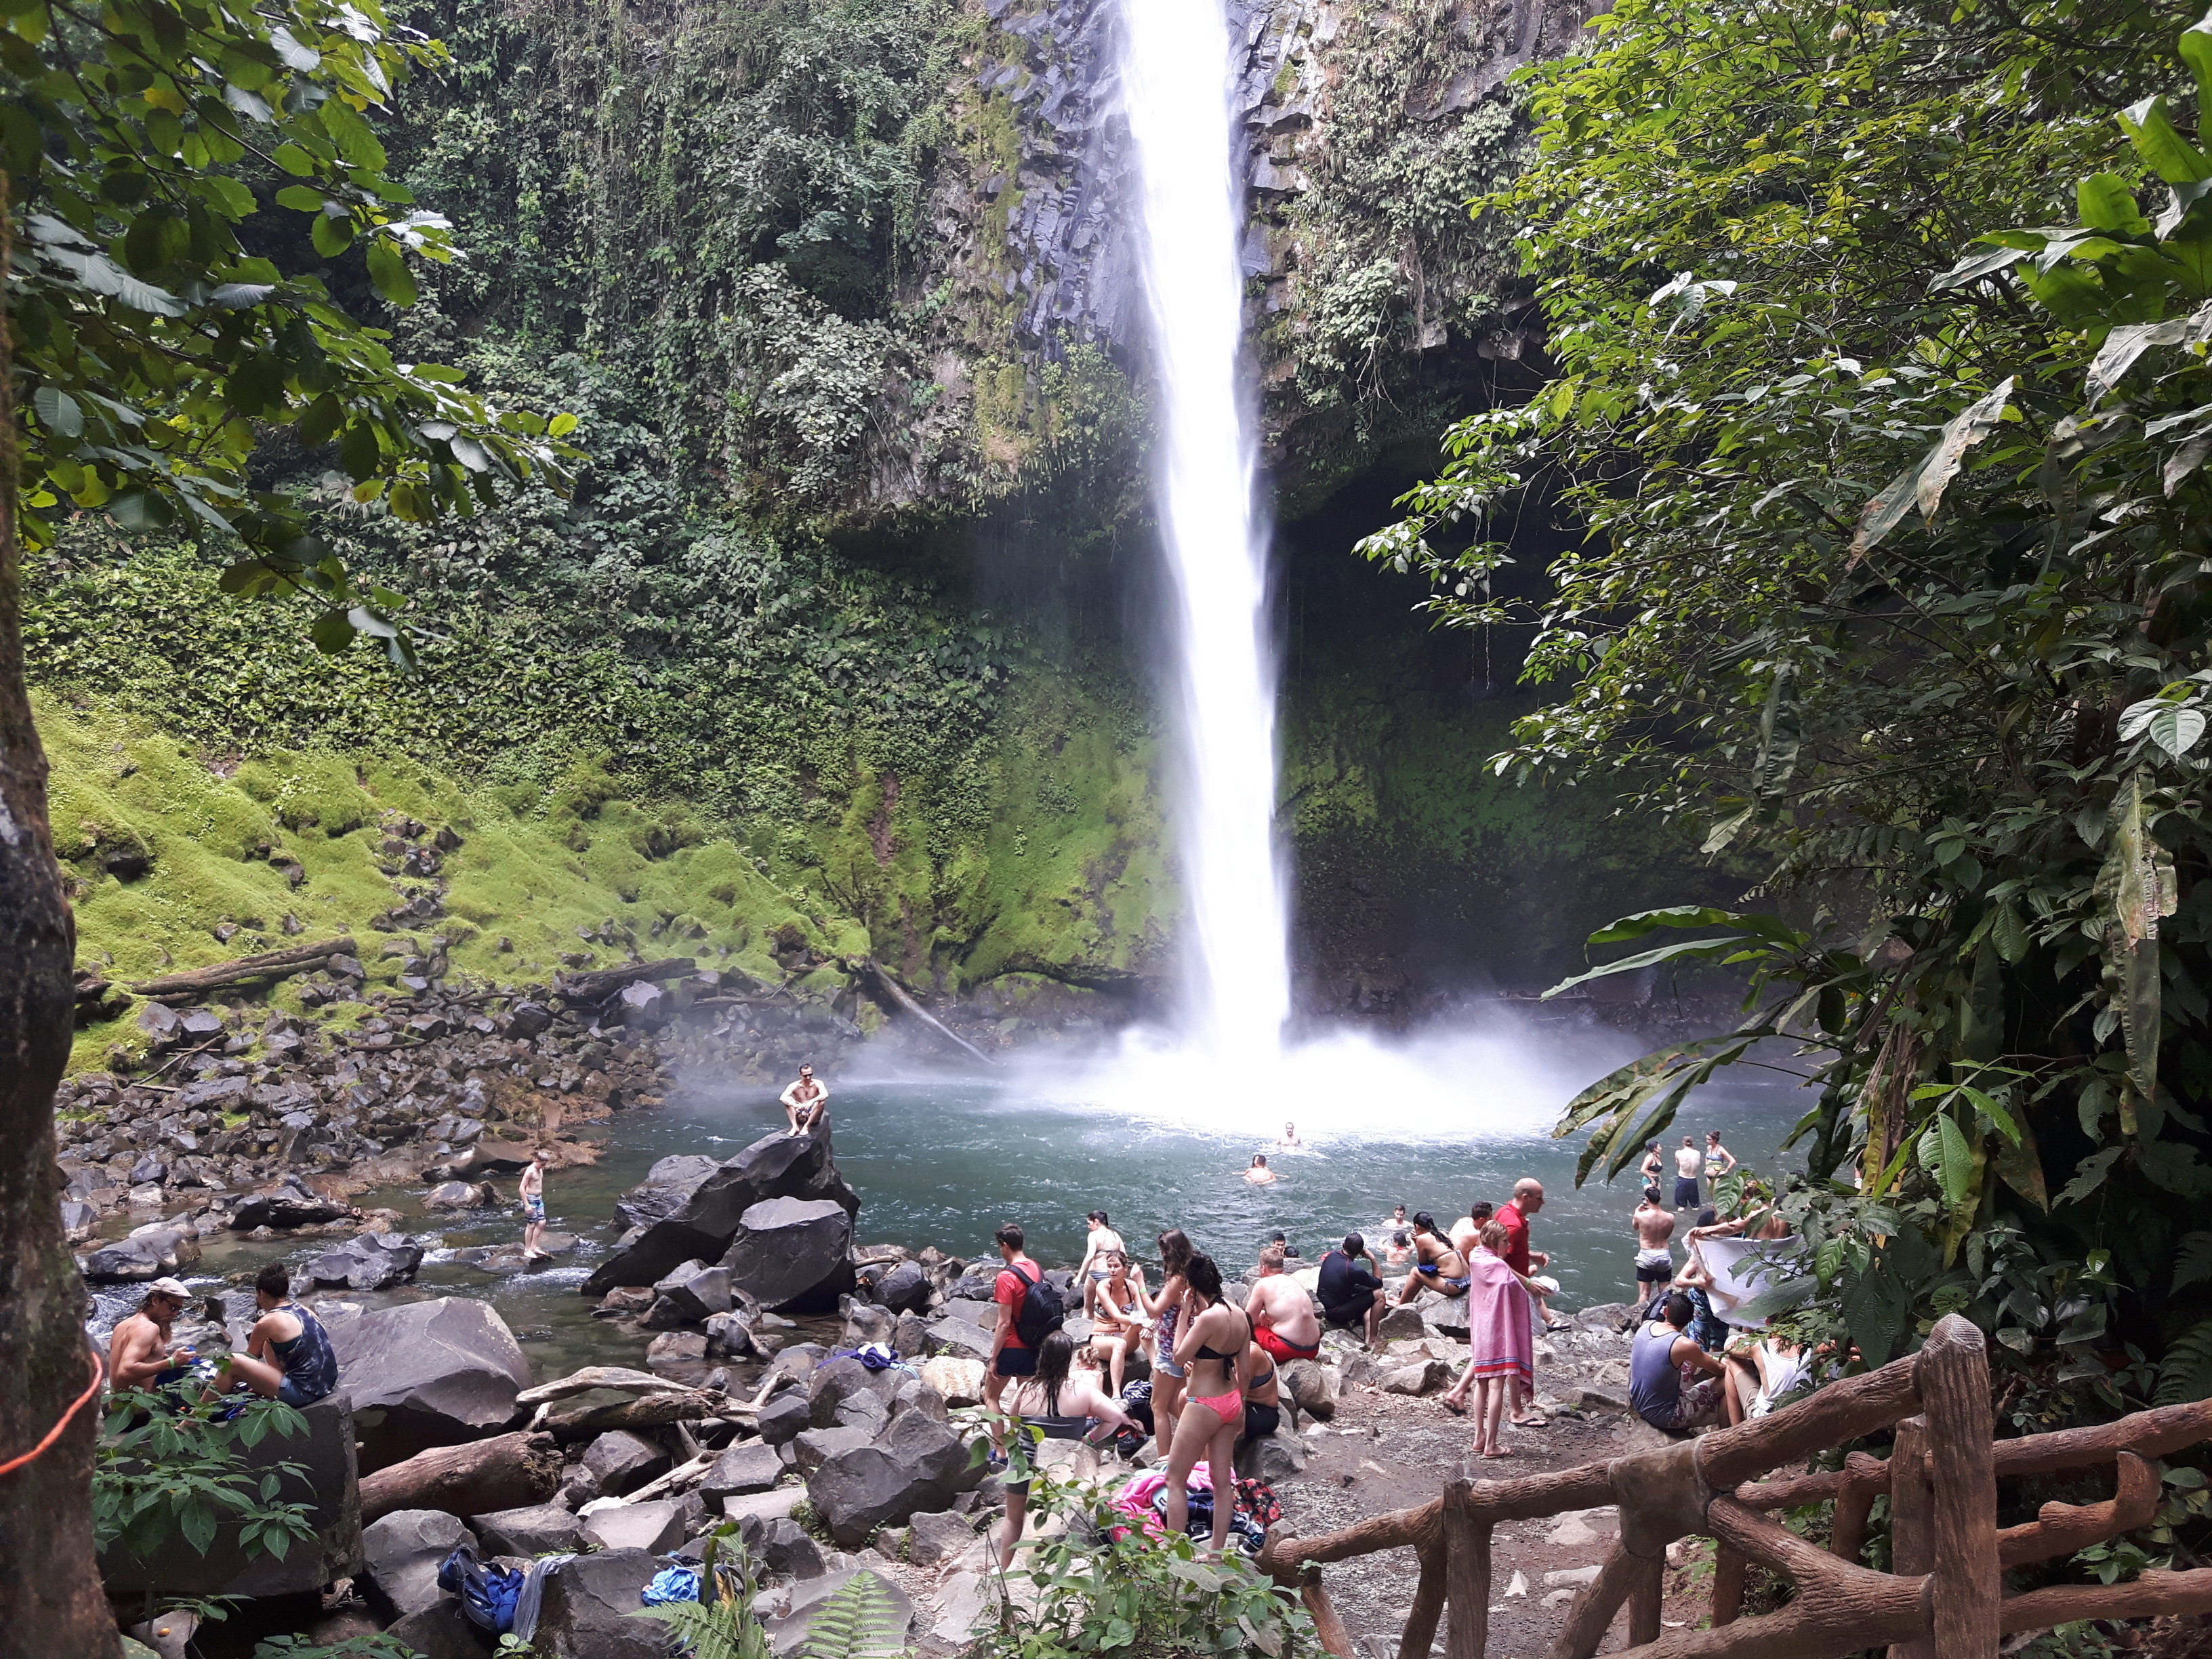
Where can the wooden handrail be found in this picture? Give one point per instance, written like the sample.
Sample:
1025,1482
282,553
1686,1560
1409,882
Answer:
1944,1595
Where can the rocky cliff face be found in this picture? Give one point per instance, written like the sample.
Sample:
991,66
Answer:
1378,306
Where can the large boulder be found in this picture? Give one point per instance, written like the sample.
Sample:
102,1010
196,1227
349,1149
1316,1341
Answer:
653,1527
666,1188
784,1418
1314,1385
440,1632
690,1295
373,1261
534,1529
782,1545
403,1552
840,1380
325,1483
794,1254
904,1289
753,1467
439,1372
623,1461
959,1336
917,1465
776,1166
817,1446
289,1203
587,1604
149,1252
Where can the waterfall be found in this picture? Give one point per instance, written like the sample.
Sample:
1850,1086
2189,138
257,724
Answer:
1176,82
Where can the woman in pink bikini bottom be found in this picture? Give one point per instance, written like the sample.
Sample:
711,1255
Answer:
1214,1347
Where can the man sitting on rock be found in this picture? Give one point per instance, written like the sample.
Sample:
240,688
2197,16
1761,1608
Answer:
1350,1294
1663,1384
806,1103
288,1353
139,1352
1281,1312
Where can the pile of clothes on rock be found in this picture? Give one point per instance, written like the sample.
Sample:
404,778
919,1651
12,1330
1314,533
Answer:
1142,1505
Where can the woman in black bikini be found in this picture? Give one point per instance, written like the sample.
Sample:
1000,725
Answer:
1056,1408
1213,1348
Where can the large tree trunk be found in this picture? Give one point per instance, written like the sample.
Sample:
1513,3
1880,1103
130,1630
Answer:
50,1594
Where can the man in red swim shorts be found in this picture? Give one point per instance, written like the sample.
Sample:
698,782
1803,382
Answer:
1281,1310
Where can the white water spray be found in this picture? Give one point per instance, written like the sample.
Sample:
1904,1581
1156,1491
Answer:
1175,78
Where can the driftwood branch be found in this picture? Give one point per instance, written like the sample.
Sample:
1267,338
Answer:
600,983
506,1472
903,1001
271,964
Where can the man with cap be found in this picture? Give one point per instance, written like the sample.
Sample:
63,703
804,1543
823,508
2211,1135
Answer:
140,1353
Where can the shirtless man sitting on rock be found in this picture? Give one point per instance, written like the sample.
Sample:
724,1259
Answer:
805,1103
140,1353
1281,1310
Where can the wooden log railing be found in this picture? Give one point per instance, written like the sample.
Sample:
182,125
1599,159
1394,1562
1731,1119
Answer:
1944,1594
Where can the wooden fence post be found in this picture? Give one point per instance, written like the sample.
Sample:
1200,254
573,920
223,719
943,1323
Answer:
1912,1543
1467,1574
1328,1625
1954,1385
1729,1565
1863,1478
1643,1601
1420,1633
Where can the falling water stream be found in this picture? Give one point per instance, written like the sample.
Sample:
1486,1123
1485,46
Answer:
1175,76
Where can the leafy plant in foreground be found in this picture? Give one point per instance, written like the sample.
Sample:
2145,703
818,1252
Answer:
721,1624
163,1470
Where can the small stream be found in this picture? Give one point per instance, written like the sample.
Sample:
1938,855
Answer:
945,1162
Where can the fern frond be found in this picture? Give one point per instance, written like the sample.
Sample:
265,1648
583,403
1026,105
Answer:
2193,1260
720,1632
2185,1373
860,1621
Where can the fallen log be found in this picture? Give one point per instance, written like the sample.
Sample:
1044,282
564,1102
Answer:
903,1001
271,964
620,1377
504,1473
654,1411
600,983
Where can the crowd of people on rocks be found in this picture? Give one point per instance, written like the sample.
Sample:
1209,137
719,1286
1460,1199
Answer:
1215,1359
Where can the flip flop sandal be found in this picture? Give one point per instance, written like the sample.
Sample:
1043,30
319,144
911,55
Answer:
1456,1411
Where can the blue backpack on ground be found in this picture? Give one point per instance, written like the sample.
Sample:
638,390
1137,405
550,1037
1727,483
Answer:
488,1591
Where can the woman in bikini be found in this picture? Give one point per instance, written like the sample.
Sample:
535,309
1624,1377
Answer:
1051,1404
1164,1310
1213,1349
1440,1267
1120,1324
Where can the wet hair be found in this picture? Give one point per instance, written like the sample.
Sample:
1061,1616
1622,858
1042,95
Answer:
1708,1217
275,1279
1424,1222
1495,1237
1272,1259
1354,1244
1678,1309
1113,1259
1650,1145
1258,1160
1480,1211
1402,1237
1175,1252
1205,1278
1651,1193
1099,1216
1054,1355
1011,1236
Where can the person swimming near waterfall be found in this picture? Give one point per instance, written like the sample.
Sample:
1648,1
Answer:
1259,1175
806,1103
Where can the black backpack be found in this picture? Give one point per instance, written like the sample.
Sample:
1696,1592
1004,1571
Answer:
1043,1311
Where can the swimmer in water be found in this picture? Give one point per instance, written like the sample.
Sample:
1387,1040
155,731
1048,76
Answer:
1290,1142
1259,1175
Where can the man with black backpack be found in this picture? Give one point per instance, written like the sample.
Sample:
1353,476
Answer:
1029,1310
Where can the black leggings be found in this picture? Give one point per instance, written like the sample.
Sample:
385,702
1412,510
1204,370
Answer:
1260,1420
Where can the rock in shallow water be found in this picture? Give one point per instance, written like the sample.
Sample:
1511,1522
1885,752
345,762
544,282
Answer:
441,1371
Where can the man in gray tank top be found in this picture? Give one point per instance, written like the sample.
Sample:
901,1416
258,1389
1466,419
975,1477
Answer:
1659,1366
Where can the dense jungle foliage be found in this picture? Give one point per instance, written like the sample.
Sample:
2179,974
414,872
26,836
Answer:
1896,576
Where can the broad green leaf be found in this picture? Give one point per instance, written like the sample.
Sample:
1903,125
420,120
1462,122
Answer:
2164,150
59,412
2136,889
2197,53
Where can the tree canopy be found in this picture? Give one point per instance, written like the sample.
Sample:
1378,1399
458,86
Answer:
195,186
1896,579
